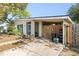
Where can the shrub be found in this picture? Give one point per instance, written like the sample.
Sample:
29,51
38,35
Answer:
16,32
10,33
12,30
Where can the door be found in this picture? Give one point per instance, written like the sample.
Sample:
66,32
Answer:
36,29
67,36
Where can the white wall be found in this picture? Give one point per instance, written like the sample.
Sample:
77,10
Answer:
40,29
24,25
33,28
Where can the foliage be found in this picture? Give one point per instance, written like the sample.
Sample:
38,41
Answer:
74,12
16,9
12,29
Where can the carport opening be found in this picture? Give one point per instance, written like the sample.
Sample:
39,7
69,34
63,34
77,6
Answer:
53,30
57,33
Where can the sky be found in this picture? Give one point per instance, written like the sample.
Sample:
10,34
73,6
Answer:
48,9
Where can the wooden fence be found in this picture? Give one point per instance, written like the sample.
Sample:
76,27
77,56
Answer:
75,36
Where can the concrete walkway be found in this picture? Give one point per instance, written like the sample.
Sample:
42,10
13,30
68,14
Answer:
36,48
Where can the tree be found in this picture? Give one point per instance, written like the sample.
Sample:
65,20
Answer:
14,10
73,12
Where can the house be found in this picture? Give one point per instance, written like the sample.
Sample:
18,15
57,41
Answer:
3,26
47,27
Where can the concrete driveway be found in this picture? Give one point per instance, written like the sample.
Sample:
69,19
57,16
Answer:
36,48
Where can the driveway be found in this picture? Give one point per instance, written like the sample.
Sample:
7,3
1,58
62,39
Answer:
36,48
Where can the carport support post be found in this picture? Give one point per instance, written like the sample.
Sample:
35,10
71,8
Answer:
24,28
40,29
33,28
64,34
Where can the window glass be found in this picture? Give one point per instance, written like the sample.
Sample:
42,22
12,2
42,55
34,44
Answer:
20,28
28,28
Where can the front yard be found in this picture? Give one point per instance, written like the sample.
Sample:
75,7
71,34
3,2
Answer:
38,47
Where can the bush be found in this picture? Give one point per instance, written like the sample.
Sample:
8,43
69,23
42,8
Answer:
10,33
12,30
16,32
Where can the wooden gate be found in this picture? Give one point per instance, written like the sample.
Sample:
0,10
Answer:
67,35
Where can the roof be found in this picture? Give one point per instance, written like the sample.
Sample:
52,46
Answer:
48,16
64,17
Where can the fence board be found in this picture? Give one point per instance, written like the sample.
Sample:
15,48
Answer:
75,36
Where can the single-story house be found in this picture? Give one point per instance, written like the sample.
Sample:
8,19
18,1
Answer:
47,27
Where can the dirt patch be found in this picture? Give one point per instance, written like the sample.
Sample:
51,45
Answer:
9,46
5,37
68,52
14,45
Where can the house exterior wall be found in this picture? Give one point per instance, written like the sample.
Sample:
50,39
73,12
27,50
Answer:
41,27
24,25
32,27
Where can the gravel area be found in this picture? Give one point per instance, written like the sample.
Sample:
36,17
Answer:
35,48
68,52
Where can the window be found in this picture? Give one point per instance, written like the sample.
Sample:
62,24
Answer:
20,28
28,28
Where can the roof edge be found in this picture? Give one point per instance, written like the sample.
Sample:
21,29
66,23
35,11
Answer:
47,16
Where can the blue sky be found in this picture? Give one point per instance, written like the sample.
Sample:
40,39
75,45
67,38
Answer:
48,9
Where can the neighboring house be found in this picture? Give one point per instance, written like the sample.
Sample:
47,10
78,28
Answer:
3,26
47,27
